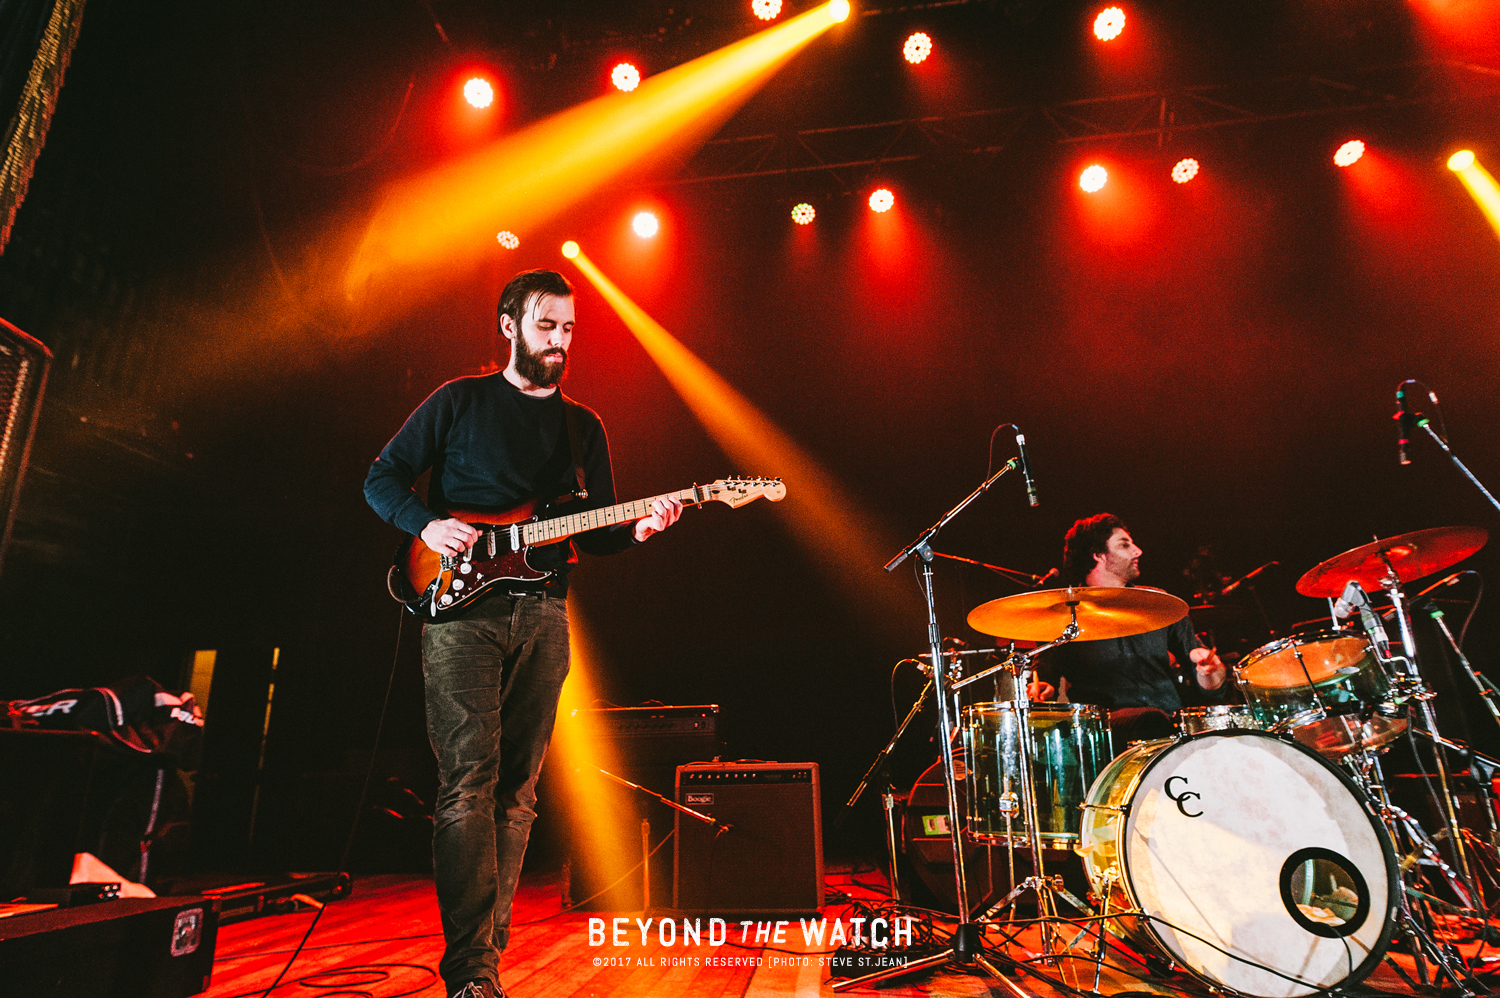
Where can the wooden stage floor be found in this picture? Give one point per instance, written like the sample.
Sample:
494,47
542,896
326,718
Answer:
384,941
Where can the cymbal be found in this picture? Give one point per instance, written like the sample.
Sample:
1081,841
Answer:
1103,612
1412,555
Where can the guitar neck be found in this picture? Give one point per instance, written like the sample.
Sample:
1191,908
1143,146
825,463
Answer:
559,527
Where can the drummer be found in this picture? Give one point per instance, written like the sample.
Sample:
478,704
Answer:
1135,677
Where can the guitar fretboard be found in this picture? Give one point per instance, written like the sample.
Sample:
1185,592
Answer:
625,512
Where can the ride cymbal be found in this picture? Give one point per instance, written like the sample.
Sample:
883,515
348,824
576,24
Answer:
1412,555
1103,612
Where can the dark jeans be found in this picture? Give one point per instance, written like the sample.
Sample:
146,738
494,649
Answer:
493,678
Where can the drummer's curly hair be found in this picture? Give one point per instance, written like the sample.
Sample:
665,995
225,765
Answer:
1085,539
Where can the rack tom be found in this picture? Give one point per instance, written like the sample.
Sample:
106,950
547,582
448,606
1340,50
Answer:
1326,689
1224,717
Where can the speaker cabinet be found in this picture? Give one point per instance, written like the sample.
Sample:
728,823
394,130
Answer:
23,375
770,858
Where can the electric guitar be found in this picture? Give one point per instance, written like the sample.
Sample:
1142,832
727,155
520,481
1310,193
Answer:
429,583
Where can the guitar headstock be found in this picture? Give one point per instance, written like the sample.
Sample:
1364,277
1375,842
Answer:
737,491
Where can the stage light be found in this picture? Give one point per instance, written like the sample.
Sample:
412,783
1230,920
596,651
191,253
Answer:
1109,24
479,93
508,239
917,48
645,224
625,77
570,249
1093,178
1185,170
766,10
529,177
882,200
1482,187
838,10
1349,153
803,213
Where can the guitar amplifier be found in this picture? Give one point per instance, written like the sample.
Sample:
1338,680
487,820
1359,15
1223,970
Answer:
770,859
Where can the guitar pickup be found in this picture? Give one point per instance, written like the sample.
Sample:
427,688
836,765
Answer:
489,537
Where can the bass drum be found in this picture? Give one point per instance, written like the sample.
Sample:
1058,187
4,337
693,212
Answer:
1245,858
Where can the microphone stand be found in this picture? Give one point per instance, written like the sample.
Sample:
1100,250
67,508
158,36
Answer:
1426,424
1011,574
966,946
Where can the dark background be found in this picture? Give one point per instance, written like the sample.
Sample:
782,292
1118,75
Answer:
1213,362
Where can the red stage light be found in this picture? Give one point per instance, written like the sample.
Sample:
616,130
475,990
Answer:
803,213
1109,24
645,224
1185,170
1349,153
625,77
882,200
508,239
917,48
479,93
1093,178
766,10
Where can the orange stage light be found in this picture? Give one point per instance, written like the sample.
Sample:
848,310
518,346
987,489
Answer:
766,10
917,48
803,213
1185,170
479,93
1093,179
1109,24
1349,153
882,200
570,249
838,10
625,77
832,522
1482,187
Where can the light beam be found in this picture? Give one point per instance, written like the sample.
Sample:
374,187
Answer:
1482,186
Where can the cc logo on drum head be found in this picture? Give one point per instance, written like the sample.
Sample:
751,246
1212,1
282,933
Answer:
1180,799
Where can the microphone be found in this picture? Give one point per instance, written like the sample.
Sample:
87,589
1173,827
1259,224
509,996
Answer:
1052,573
1403,424
1352,599
1026,469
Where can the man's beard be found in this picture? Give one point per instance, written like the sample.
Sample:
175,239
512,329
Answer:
531,366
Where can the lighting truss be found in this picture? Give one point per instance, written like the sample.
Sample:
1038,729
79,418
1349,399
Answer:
1134,122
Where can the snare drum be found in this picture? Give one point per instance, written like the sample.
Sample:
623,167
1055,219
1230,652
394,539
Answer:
1070,744
1348,705
1196,720
1235,851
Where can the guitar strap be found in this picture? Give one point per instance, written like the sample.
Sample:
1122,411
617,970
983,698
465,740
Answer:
575,446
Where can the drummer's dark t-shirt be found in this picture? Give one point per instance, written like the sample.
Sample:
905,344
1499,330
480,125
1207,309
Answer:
1134,671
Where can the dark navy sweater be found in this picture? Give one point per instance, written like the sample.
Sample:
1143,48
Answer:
492,447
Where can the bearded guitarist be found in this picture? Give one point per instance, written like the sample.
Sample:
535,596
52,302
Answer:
494,664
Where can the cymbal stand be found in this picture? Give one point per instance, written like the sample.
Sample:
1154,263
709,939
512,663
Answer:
1414,848
1420,693
966,946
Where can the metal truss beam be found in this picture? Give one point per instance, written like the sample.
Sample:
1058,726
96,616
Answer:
1138,120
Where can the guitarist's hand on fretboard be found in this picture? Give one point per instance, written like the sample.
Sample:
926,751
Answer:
451,537
664,512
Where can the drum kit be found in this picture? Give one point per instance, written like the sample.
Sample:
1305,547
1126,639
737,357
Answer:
1259,851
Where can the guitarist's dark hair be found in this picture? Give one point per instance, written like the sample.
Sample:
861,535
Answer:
526,287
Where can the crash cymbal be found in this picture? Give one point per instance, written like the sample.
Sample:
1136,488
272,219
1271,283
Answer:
1412,555
1103,612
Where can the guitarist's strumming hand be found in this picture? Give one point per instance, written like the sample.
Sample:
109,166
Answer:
664,513
449,537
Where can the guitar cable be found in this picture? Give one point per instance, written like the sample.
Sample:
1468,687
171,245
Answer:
359,809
